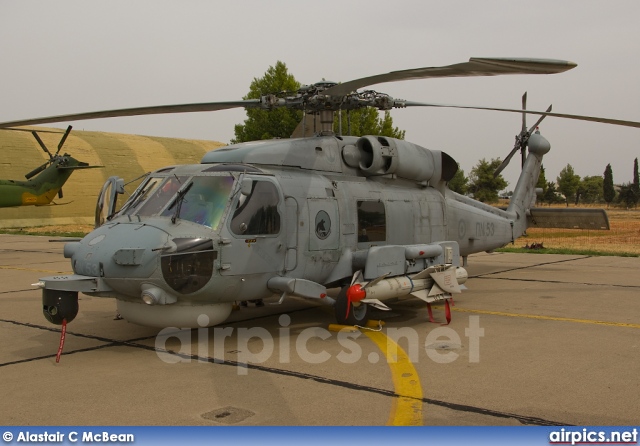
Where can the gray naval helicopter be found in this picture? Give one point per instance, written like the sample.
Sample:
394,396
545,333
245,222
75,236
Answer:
285,218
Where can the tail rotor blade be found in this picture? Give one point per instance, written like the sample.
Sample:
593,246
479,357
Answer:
534,126
506,161
36,171
35,135
64,138
524,115
522,139
525,137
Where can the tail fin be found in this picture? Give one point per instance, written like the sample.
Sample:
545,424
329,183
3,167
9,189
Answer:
45,184
525,191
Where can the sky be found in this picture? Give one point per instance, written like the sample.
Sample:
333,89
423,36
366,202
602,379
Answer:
72,56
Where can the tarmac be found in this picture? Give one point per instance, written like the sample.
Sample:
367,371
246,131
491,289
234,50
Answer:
536,339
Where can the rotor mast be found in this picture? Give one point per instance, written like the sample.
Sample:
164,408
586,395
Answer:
315,100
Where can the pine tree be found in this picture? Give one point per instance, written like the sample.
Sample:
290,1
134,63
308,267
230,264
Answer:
483,184
608,192
542,181
591,189
459,182
263,124
627,195
551,196
281,122
568,183
636,180
367,121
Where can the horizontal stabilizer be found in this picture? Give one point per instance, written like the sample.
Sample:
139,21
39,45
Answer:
567,218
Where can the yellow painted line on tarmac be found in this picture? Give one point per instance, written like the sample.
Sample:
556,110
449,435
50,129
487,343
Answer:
548,318
406,409
34,270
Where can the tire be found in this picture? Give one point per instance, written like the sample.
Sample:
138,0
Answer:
358,315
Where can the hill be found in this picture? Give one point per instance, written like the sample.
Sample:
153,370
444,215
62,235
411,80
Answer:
127,156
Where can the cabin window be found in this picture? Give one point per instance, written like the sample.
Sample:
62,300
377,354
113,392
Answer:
257,213
372,222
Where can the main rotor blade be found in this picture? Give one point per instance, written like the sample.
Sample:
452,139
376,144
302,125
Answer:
153,110
532,112
476,66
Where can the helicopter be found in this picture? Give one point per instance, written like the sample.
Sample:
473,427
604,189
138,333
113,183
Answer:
44,182
293,218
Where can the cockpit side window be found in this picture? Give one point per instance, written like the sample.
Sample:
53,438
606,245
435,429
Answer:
257,213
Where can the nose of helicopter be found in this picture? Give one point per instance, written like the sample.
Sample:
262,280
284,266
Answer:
158,279
113,260
142,261
122,250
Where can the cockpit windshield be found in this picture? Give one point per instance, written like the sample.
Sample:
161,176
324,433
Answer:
202,199
160,195
144,191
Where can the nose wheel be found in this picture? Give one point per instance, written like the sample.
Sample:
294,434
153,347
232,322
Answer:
348,313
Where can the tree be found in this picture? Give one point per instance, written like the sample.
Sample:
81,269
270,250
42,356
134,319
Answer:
551,195
459,182
590,189
367,121
542,181
608,191
568,183
278,123
627,195
483,184
636,180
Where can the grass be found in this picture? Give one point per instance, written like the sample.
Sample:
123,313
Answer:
568,251
623,238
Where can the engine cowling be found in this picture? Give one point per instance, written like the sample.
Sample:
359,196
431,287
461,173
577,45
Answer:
379,155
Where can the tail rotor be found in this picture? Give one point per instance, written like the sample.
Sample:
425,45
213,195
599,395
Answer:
522,139
52,157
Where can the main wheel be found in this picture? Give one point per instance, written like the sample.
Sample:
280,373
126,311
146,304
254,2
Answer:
358,312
